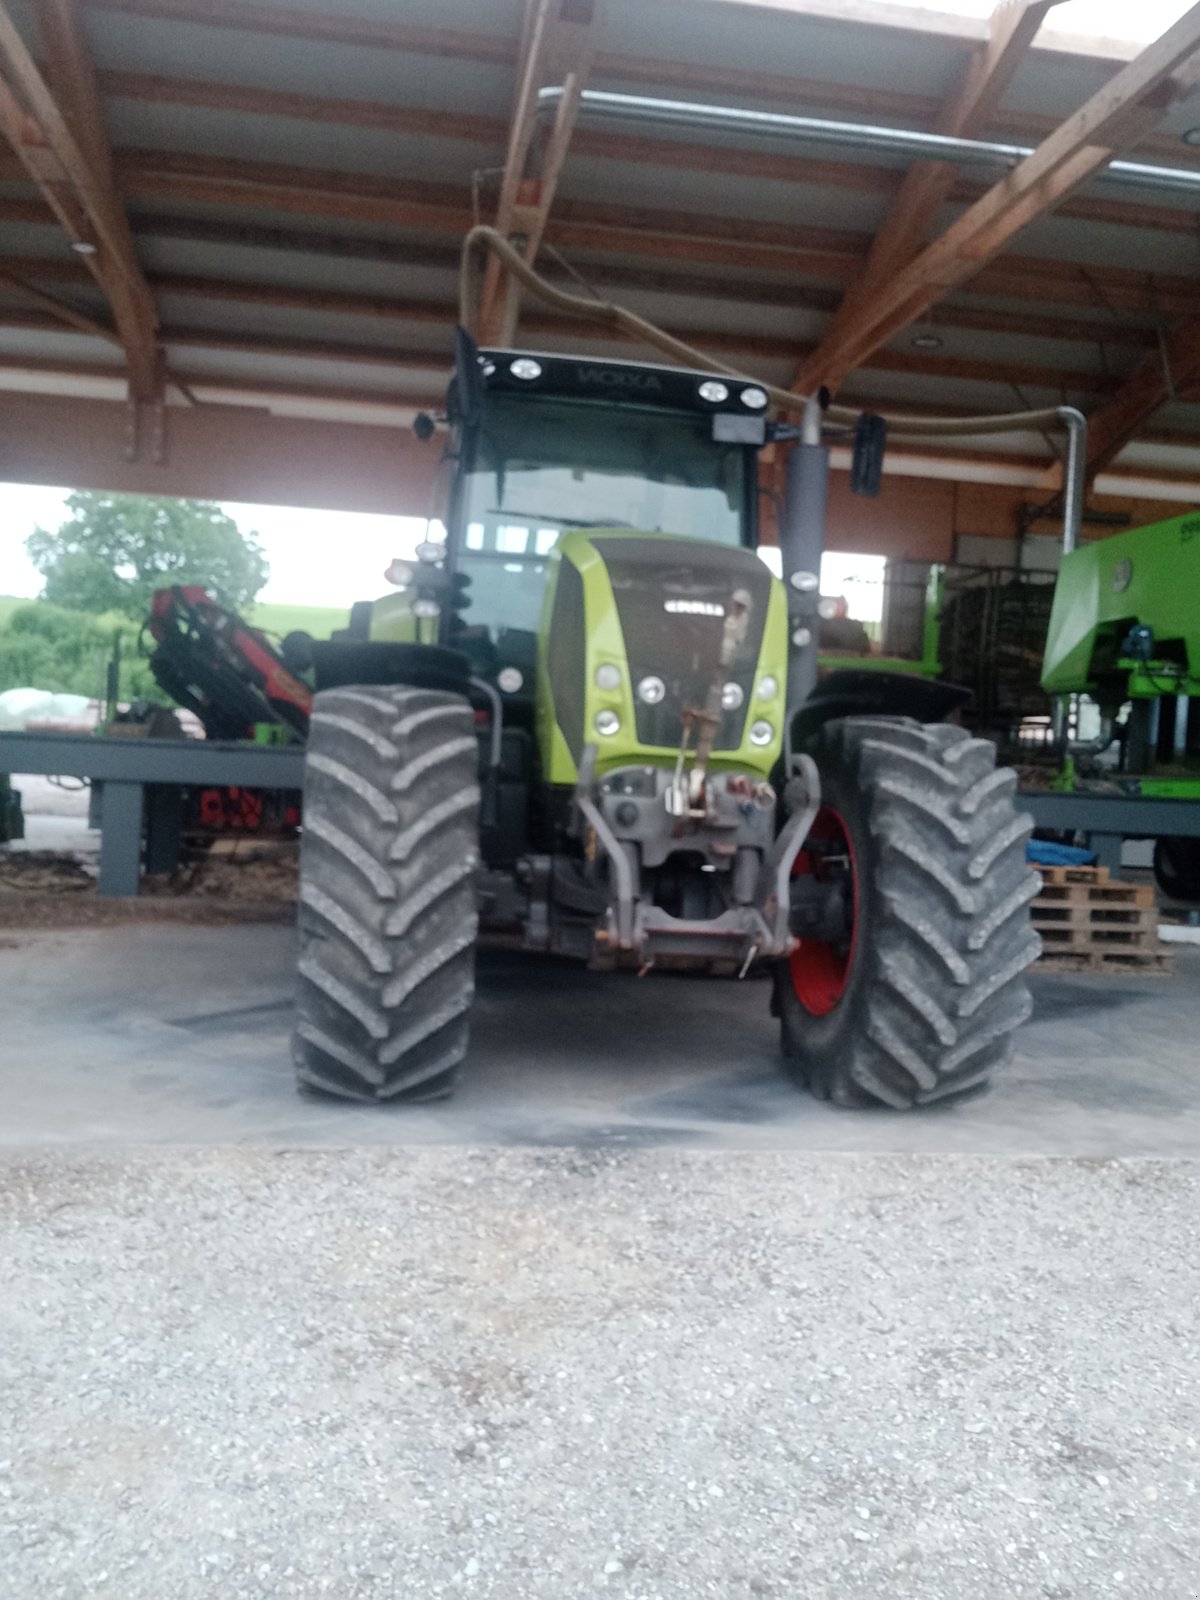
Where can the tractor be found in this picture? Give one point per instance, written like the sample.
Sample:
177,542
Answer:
590,719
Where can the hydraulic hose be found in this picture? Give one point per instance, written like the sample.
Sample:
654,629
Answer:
482,240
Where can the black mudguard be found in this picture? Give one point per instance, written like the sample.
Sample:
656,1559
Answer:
860,692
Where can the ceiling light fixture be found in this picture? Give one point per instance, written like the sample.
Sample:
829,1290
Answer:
83,247
926,341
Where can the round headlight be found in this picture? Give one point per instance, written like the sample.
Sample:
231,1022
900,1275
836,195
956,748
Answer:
731,696
713,391
525,367
806,582
651,690
802,637
399,573
768,688
828,608
426,608
510,679
608,676
761,733
607,723
430,550
756,399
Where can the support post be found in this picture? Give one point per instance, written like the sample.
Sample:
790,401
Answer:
121,837
164,826
801,544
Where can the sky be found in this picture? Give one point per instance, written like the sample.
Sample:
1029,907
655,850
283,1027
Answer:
332,558
319,558
1105,19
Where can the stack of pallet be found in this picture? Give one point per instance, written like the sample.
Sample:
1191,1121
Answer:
1089,923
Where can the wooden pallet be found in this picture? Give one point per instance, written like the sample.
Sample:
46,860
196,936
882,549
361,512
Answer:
1089,923
1060,875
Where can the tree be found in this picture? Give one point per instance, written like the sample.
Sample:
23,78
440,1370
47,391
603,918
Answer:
116,549
67,652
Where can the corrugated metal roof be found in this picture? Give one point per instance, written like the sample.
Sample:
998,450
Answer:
258,205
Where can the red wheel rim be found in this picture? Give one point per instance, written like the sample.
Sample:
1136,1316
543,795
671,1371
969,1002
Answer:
820,969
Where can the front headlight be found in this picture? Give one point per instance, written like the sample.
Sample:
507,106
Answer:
607,723
761,732
731,697
651,691
608,676
768,688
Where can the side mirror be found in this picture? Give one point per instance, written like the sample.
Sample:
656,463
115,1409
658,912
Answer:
866,465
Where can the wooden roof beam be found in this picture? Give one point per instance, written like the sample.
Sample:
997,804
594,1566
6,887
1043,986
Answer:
50,134
557,48
927,185
1169,373
12,284
1110,121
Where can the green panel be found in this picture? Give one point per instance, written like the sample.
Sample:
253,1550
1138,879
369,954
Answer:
605,644
1149,575
392,621
1170,788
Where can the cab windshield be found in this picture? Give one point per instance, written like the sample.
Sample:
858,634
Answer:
541,466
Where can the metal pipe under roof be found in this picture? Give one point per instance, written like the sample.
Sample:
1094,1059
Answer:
853,136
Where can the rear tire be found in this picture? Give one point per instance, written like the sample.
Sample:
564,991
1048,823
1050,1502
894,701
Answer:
389,851
1177,868
931,989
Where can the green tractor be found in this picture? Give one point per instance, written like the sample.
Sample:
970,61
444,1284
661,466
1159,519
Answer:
591,721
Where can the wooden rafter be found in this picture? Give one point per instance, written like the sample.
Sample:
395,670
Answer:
1110,121
50,133
19,288
928,184
1170,373
557,47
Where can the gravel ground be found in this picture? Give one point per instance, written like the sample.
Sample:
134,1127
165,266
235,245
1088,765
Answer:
527,1374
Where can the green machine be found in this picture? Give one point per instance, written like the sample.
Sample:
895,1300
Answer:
1125,631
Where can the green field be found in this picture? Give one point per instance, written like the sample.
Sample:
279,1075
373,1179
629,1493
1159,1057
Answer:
320,621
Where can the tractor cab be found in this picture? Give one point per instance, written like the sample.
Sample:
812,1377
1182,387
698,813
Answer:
548,444
554,443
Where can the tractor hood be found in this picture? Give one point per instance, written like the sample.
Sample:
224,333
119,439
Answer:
631,640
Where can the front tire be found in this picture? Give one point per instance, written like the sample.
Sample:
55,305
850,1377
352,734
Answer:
388,858
919,1001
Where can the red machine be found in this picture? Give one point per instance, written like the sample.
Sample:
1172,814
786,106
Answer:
209,661
229,674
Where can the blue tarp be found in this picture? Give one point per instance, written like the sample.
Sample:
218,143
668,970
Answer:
1044,853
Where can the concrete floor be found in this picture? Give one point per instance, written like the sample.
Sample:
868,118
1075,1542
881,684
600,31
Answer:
164,1034
697,1352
